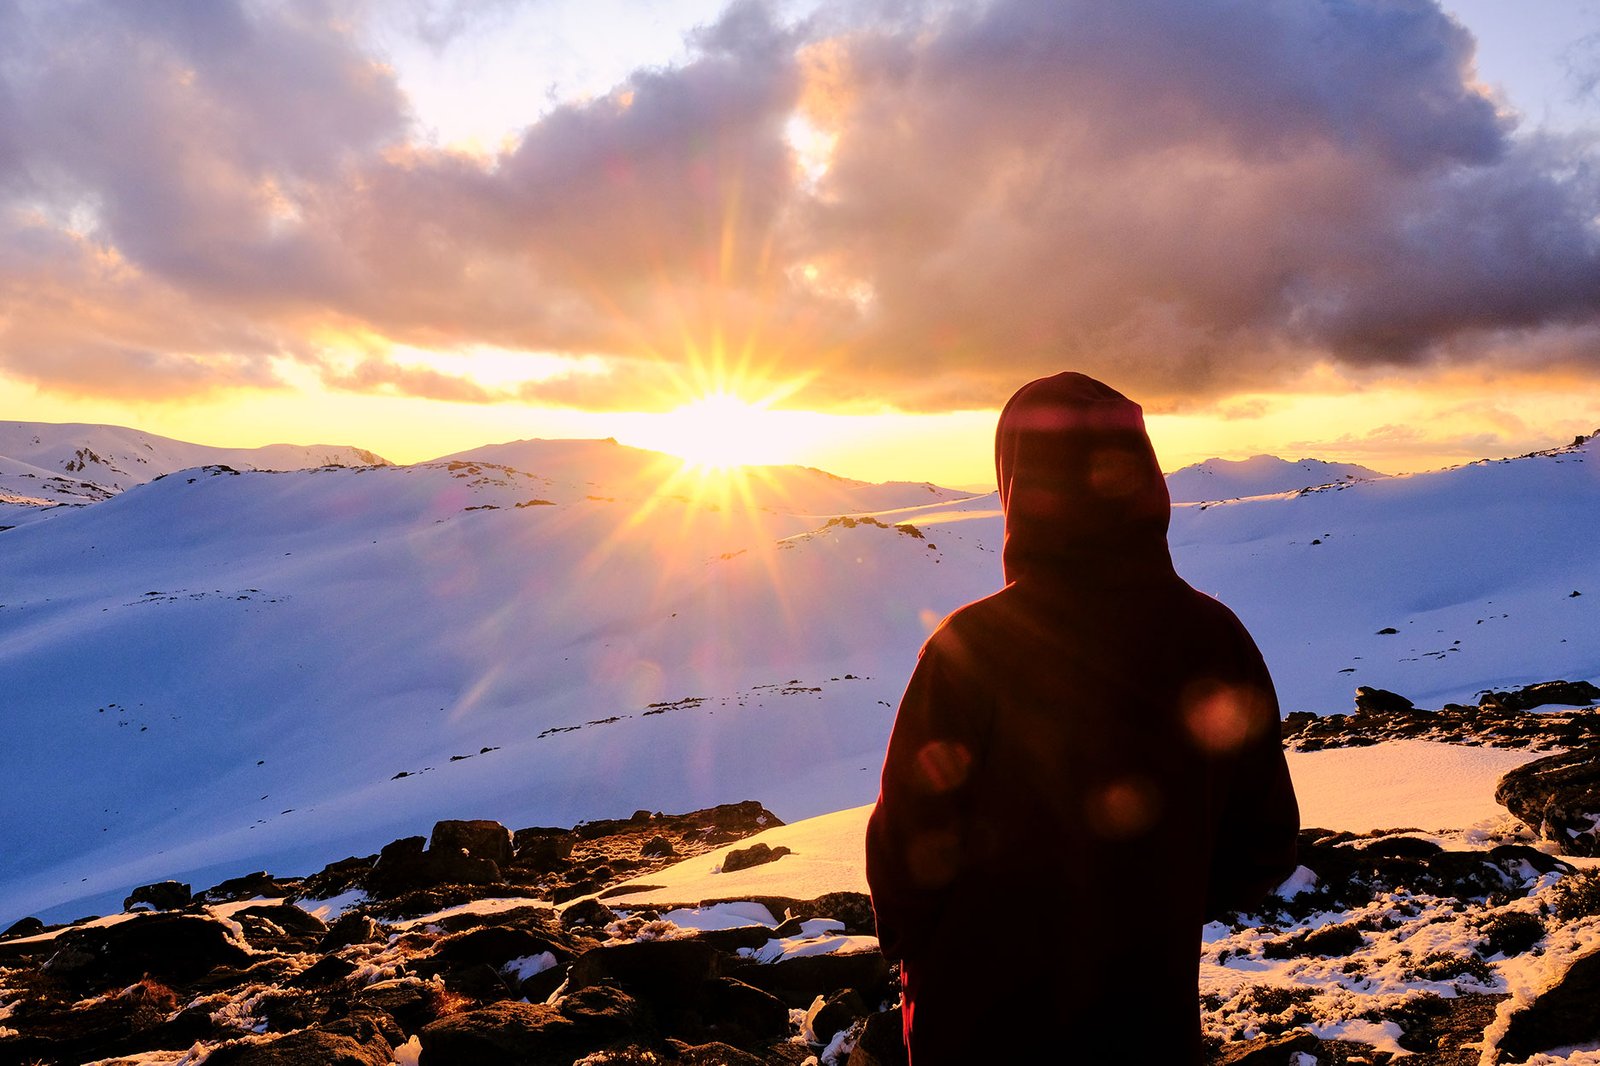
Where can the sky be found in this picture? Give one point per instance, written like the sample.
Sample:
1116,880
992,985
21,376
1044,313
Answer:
836,233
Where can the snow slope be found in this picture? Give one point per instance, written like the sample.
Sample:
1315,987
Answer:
1473,567
43,464
1260,475
1438,787
216,672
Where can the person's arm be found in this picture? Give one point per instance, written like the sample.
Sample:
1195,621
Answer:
916,837
1260,819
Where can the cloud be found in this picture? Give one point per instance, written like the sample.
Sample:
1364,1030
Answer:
1187,197
374,375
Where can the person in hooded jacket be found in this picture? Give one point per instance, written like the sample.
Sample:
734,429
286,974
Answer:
1085,767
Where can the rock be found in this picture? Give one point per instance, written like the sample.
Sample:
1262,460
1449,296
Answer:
1517,858
657,847
404,866
350,929
1558,797
1277,1050
330,969
286,917
161,896
542,849
306,1046
494,945
574,889
715,1053
836,1013
799,981
398,866
171,947
754,855
481,838
660,972
539,987
739,1013
531,1034
882,1041
604,1013
740,936
1562,1014
410,1002
1402,847
1571,693
22,927
590,913
249,886
337,878
1380,701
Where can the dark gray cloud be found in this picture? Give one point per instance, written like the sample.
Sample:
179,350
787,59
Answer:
1185,196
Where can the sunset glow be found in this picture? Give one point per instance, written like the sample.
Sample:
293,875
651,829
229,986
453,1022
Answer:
717,431
818,233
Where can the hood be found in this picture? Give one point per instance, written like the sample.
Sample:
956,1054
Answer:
1083,495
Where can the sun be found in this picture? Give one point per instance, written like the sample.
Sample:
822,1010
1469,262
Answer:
718,432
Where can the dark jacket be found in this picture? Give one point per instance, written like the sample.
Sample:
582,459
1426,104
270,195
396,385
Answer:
1084,766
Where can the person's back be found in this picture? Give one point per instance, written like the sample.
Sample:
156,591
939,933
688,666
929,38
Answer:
1084,765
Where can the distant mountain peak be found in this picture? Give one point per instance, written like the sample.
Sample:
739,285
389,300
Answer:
1259,475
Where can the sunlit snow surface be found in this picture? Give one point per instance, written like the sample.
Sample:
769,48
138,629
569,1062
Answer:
214,673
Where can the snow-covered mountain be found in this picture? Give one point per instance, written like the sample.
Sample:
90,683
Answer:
45,464
1260,475
219,671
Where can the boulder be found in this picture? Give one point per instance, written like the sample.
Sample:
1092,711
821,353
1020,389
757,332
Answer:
161,896
481,838
170,947
410,1002
799,981
754,855
337,878
741,1014
881,1041
328,970
657,847
1561,1015
494,945
542,849
1571,693
249,886
604,1013
590,913
350,929
533,1034
29,926
404,866
665,972
1380,701
1558,797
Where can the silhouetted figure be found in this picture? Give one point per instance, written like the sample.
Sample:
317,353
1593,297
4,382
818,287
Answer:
1085,765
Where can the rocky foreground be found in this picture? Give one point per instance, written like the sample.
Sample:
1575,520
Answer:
478,944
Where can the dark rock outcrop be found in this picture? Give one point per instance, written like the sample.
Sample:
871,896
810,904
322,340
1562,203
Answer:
1561,1015
1558,797
479,838
1380,701
171,947
1570,693
754,855
161,896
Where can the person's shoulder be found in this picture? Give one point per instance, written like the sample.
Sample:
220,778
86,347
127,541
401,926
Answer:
979,616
